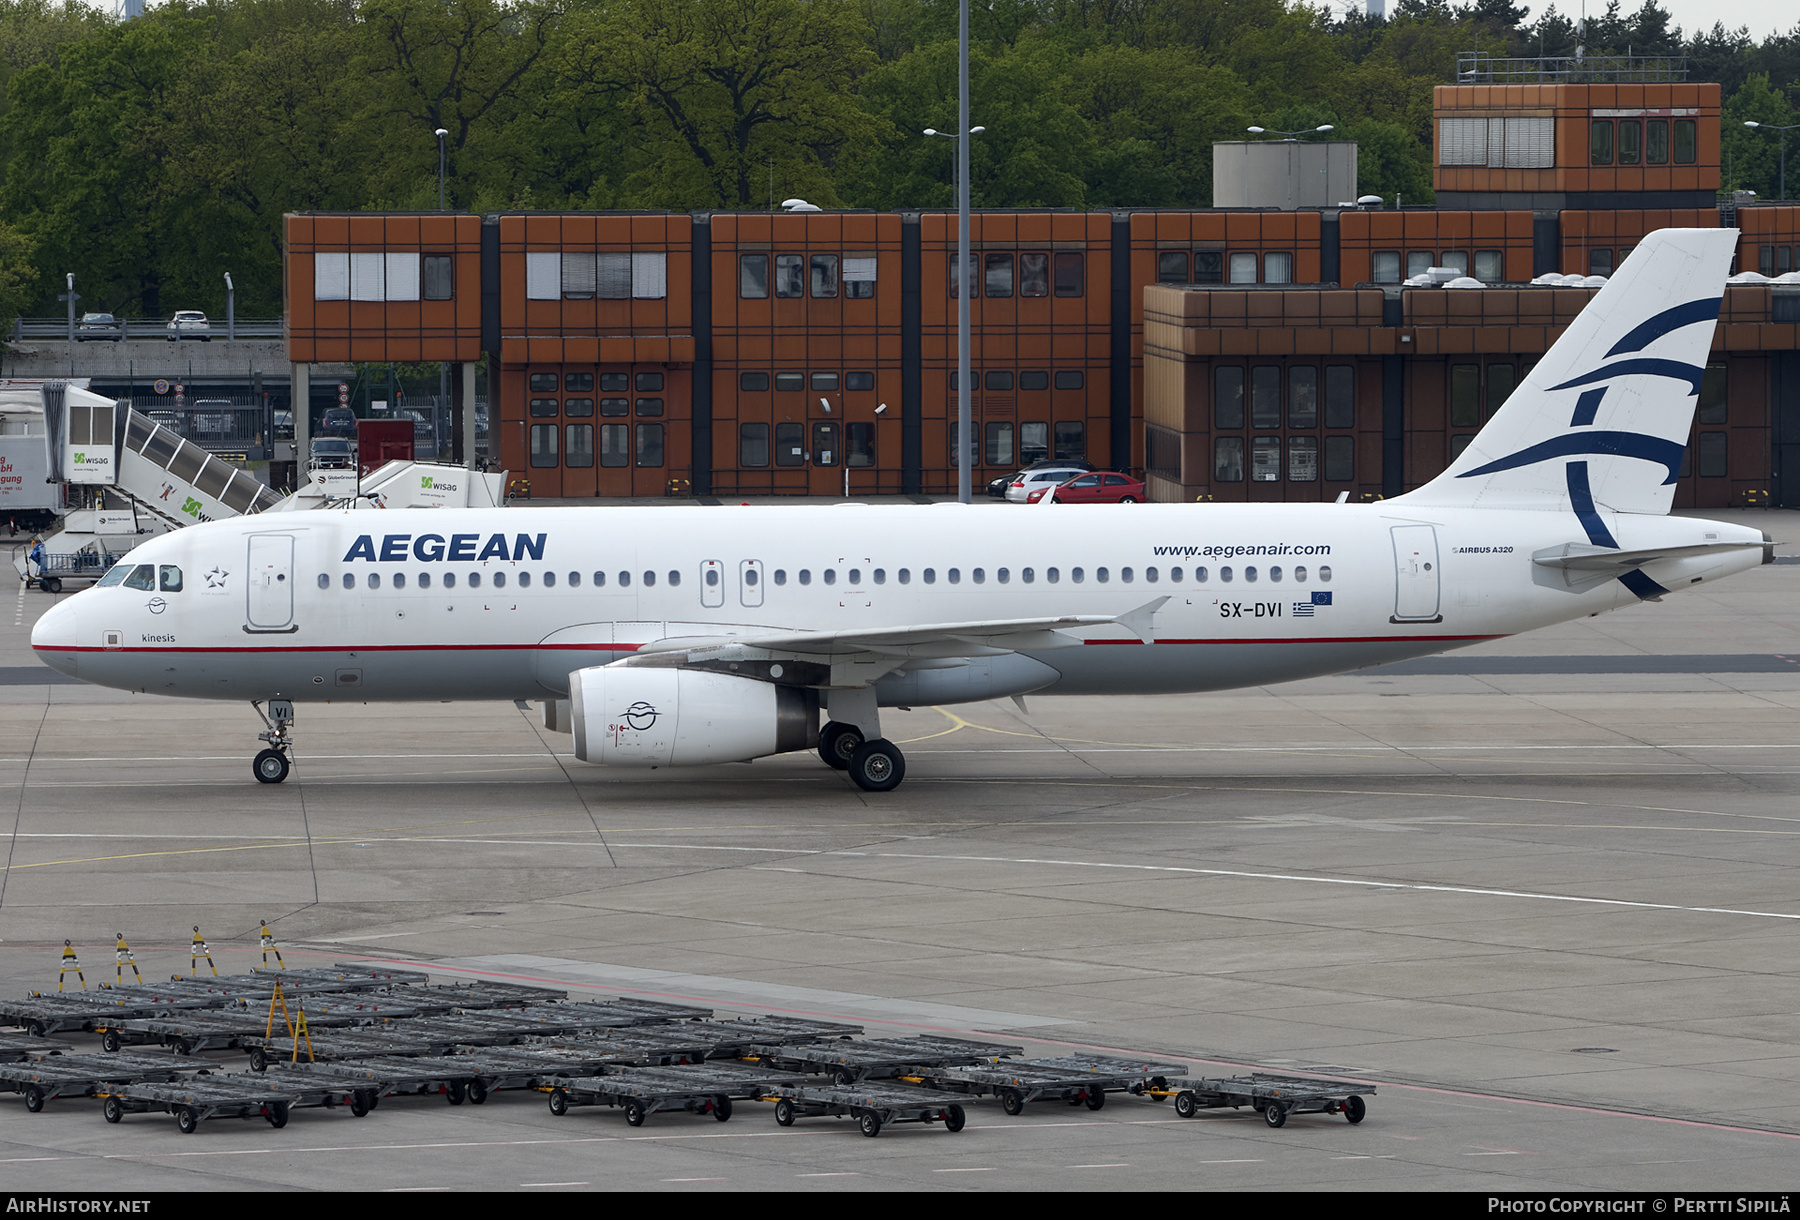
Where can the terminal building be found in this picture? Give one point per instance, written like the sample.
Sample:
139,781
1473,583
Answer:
1227,354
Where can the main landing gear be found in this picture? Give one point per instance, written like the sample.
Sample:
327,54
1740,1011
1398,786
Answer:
271,765
874,763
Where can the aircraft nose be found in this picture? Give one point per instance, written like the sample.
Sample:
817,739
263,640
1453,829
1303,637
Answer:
55,637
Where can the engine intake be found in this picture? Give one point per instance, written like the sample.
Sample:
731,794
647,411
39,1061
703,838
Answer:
652,717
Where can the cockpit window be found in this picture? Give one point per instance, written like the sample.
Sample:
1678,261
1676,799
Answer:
116,576
142,577
171,578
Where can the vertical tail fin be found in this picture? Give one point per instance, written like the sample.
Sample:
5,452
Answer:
1602,421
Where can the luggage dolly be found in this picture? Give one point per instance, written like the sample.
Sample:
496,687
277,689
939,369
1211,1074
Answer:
641,1092
873,1106
1075,1079
847,1062
56,1075
194,1101
17,1048
1275,1097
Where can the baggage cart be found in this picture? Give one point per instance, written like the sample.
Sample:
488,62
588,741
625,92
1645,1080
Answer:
848,1062
708,1088
873,1106
1075,1079
194,1101
43,1080
1274,1097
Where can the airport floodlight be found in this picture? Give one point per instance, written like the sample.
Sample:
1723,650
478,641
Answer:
1257,130
882,409
825,406
800,205
1369,201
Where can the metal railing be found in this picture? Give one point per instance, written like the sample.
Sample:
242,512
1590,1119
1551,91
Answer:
1479,68
139,329
217,425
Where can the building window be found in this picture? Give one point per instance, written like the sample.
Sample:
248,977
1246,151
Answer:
1071,443
1034,379
1490,266
824,275
1385,266
542,383
543,408
859,381
1265,460
1712,455
1069,278
614,383
543,445
997,379
1600,142
974,286
650,407
790,444
753,276
1465,396
1034,442
1686,141
1714,406
578,277
1278,268
1243,268
1303,397
615,406
440,277
1501,381
859,277
1069,379
1600,262
1631,134
824,381
753,444
1172,267
999,443
1459,443
578,383
578,408
649,444
650,276
1228,399
612,276
649,382
997,275
1228,459
1034,275
1457,261
1265,396
753,383
790,275
859,447
1418,262
1656,142
614,441
579,439
1209,266
1340,459
1303,459
1340,396
790,381
1162,458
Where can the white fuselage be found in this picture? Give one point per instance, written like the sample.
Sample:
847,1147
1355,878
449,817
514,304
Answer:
506,603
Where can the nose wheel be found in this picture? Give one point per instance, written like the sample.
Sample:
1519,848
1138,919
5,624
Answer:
271,766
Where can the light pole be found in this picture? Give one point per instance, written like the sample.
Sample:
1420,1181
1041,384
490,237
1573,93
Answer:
963,290
441,133
1783,131
1304,131
230,310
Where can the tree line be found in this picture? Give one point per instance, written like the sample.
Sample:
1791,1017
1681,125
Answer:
151,156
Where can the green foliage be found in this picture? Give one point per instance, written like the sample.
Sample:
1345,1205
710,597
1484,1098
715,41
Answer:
150,157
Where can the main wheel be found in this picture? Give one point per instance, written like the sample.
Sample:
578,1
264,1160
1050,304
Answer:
1354,1109
181,1046
954,1118
278,1114
1274,1115
878,766
1012,1101
634,1113
1185,1105
1096,1098
478,1092
188,1119
109,1041
837,742
270,767
722,1109
359,1103
784,1112
559,1102
454,1093
113,1109
259,1061
870,1124
843,1076
34,1098
52,584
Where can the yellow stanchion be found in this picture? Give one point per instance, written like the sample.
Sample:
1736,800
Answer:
122,958
70,962
199,951
296,1023
269,946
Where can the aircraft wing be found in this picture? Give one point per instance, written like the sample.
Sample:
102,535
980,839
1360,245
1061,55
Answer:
858,655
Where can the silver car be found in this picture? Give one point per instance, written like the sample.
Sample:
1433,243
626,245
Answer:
1028,481
189,324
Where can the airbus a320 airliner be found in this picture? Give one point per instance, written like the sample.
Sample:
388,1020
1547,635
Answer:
687,636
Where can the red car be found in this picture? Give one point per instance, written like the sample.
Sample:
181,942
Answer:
1101,487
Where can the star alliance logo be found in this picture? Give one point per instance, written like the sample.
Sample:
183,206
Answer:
215,579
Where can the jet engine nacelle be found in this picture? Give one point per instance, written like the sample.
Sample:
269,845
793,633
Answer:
650,717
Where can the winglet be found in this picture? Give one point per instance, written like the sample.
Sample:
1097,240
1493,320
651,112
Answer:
1142,621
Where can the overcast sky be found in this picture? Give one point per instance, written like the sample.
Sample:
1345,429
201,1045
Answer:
1764,17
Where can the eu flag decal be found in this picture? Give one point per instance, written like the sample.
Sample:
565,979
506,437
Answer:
1321,598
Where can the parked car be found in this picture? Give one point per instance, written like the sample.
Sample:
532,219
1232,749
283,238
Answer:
1100,487
284,425
997,487
99,326
422,425
1044,477
189,324
338,421
333,453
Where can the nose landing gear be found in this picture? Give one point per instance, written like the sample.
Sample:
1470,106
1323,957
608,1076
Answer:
271,765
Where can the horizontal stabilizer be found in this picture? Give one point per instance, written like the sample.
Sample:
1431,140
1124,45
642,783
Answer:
1605,561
